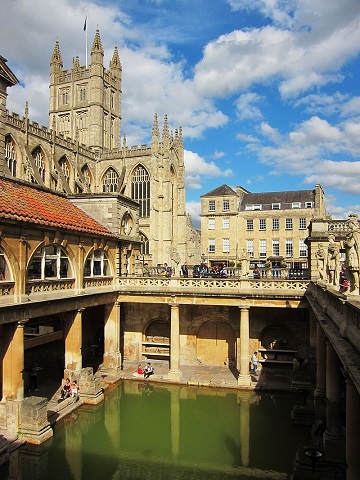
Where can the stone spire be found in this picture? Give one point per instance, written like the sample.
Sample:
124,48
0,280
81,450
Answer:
76,65
97,51
155,135
56,56
115,64
166,134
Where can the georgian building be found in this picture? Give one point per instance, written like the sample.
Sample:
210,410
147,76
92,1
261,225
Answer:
270,227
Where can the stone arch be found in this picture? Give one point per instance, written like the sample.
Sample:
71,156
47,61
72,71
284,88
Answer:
110,180
45,264
65,166
127,224
88,176
157,328
278,336
145,246
12,265
11,154
216,343
41,162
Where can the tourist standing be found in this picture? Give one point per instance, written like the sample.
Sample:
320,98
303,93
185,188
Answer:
254,363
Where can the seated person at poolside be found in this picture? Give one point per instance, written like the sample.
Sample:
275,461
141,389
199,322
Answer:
74,391
66,389
140,371
149,370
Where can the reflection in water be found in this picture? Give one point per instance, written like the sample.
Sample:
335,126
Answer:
160,432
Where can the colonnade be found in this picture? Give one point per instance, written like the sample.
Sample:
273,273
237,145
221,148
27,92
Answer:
328,397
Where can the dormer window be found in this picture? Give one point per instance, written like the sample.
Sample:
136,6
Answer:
296,205
275,206
309,204
252,207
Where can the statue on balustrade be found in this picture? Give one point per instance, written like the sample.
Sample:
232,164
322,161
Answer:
245,263
352,246
333,260
321,261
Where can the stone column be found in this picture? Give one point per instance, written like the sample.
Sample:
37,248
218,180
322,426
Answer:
352,431
320,390
175,372
73,341
244,376
13,362
112,354
333,438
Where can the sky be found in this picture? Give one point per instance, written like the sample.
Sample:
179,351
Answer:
267,92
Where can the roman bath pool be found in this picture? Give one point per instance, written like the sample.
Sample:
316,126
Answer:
153,432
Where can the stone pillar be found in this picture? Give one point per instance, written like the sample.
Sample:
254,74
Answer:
244,376
320,390
73,341
352,431
175,372
112,354
333,438
13,362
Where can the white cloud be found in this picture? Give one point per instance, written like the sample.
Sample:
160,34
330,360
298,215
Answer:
297,59
194,209
245,108
243,137
196,168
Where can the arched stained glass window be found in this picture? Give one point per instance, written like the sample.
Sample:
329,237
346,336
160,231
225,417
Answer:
110,181
140,190
10,155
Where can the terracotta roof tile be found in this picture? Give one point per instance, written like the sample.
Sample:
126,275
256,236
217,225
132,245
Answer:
31,204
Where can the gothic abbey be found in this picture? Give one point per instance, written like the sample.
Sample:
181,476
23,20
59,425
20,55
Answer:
81,156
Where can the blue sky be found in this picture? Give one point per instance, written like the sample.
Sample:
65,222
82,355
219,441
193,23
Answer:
267,92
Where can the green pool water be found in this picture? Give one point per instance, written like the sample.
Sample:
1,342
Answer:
148,432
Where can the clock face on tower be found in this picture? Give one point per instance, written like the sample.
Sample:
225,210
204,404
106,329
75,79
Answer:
127,224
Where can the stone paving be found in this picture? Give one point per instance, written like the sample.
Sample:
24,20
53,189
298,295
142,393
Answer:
268,378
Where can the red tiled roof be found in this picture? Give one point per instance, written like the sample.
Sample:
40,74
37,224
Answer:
25,203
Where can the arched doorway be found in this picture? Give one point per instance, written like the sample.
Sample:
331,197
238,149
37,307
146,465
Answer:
216,344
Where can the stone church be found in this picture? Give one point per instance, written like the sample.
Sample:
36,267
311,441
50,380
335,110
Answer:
139,191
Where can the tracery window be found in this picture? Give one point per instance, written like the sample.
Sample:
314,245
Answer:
39,159
49,262
97,264
10,155
140,190
87,176
82,94
110,181
145,246
65,168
